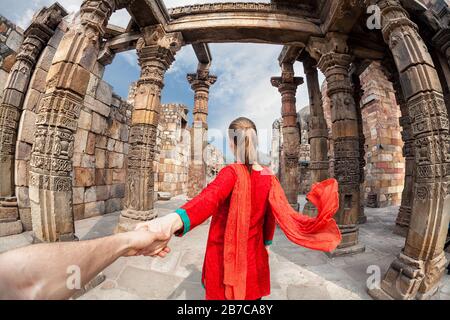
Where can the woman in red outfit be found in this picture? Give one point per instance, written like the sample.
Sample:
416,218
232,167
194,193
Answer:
245,202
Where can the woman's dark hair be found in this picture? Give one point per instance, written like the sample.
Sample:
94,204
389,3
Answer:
242,131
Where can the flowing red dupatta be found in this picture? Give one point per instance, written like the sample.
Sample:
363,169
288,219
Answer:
318,233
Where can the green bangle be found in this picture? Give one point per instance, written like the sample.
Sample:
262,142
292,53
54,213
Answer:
267,242
185,218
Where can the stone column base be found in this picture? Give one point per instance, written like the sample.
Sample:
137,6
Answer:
408,279
310,209
362,219
126,223
339,252
10,223
349,244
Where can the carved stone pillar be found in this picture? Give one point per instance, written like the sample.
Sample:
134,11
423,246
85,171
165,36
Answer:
318,130
37,35
358,92
156,51
417,271
200,82
335,64
287,85
57,120
404,213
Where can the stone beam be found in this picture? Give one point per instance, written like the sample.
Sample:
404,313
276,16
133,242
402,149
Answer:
148,12
245,25
203,53
290,54
113,31
120,43
341,16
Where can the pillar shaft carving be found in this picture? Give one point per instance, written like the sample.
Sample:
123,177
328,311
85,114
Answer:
36,37
156,51
335,64
200,82
56,122
418,269
404,213
358,92
318,130
287,86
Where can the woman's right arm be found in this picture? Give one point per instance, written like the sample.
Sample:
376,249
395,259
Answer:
196,211
207,203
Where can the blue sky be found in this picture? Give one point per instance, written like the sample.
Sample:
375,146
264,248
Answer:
244,70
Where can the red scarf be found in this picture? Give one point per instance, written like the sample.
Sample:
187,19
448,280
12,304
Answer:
318,233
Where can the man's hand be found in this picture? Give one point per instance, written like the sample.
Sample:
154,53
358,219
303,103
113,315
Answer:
146,243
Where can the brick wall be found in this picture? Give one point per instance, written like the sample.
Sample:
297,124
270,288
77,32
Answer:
174,150
385,168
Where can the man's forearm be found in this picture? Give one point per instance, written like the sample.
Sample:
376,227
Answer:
42,271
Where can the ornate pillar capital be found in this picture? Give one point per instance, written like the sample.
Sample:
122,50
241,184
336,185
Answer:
95,15
202,80
156,51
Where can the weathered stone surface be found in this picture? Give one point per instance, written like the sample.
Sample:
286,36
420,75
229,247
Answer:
104,92
32,100
27,127
117,190
10,228
85,120
23,199
84,177
99,124
93,209
97,106
38,80
113,205
25,218
78,195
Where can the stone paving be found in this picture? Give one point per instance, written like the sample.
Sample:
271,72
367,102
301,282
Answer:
296,273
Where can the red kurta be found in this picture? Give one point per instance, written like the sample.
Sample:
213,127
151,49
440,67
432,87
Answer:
214,201
236,243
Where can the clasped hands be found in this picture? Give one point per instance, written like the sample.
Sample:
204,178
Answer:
150,238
